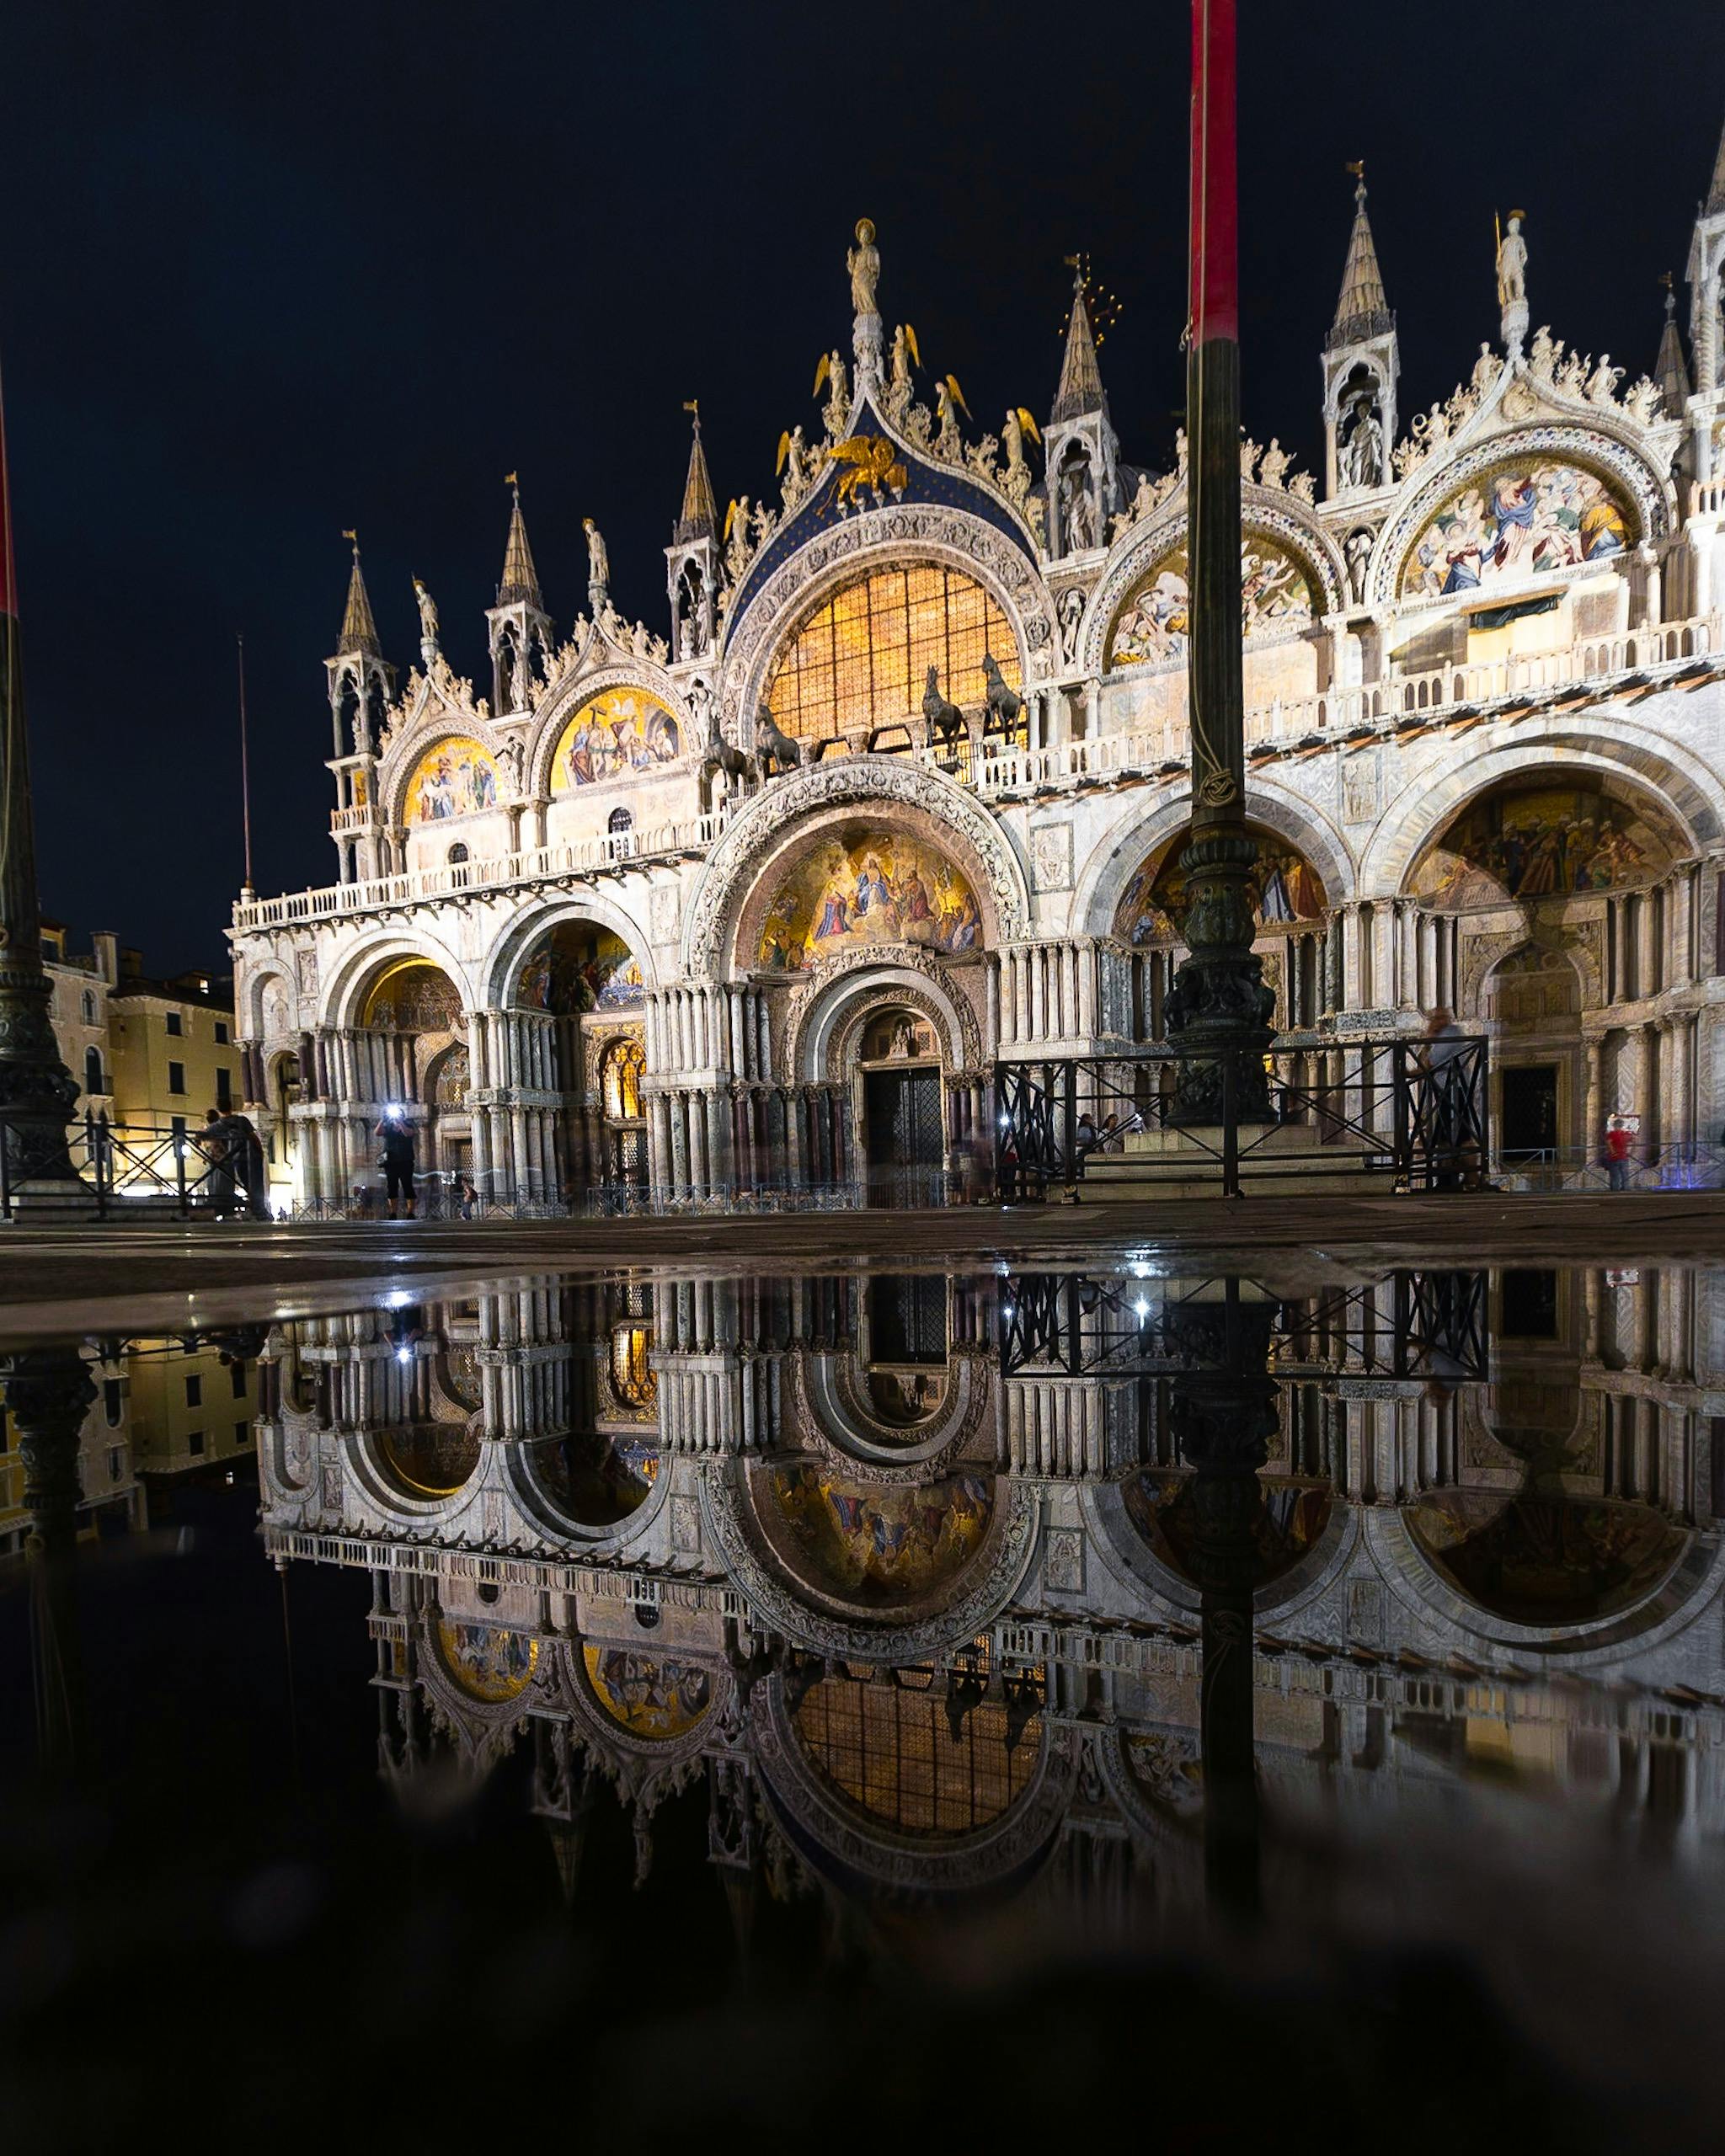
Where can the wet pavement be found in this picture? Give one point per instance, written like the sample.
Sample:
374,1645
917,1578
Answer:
1293,1675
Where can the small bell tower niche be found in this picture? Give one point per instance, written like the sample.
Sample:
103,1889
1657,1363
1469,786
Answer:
361,688
1081,449
692,560
1362,363
522,632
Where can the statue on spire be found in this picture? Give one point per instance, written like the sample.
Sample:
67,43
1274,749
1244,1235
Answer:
428,624
1512,282
863,263
598,568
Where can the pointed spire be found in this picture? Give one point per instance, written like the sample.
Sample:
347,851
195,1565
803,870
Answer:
1670,371
520,579
1363,308
1081,388
699,519
358,632
1716,192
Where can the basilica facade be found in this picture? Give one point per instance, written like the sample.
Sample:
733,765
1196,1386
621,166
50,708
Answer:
762,899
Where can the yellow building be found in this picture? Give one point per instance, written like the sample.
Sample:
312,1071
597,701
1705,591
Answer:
188,1410
152,1056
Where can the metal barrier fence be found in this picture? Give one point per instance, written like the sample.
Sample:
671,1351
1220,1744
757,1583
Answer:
1412,1111
132,1168
1556,1168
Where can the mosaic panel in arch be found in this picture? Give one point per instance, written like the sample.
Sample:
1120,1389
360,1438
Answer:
1513,523
1286,890
1543,842
649,1694
575,968
873,1543
1290,1519
1154,623
868,887
431,1459
416,997
595,1479
454,778
489,1661
1545,1560
617,732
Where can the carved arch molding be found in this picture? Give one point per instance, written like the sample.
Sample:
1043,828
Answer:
737,863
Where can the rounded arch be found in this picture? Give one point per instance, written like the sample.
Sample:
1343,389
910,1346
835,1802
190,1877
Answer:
571,698
451,774
500,969
831,1007
901,537
1266,511
266,1002
343,998
1609,455
1612,748
1133,837
789,812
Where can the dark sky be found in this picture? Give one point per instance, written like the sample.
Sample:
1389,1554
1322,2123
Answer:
268,272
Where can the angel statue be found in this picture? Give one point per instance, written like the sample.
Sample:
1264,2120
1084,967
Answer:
1019,423
794,465
905,355
736,536
863,263
829,374
948,402
1602,383
1273,469
598,565
428,622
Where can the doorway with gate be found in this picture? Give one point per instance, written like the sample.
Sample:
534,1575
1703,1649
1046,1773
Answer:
903,1128
1528,1125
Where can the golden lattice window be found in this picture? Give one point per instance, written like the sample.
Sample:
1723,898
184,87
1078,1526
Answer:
893,1752
862,658
634,1382
624,1067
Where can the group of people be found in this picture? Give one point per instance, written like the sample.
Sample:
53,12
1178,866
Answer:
235,1180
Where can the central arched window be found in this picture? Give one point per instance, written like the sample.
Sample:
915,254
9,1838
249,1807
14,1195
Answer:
862,658
621,1073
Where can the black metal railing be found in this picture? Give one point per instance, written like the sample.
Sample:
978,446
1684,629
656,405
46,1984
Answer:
1411,1111
1423,1323
105,1169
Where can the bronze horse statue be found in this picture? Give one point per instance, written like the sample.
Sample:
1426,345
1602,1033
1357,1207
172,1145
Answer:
939,716
717,756
1006,707
774,750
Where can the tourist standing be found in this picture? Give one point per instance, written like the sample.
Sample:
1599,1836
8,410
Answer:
1618,1142
398,1163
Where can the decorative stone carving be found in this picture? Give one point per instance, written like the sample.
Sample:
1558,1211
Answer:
1051,857
736,863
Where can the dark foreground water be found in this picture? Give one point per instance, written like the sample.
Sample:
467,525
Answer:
843,1710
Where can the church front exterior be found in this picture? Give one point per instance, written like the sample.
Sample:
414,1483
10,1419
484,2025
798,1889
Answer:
900,797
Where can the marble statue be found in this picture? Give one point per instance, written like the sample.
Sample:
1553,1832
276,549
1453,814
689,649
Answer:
1360,463
1273,468
863,263
427,621
598,564
1357,554
1511,264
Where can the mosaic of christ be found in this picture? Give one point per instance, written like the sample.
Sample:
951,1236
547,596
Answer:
868,887
1285,891
1515,523
1544,842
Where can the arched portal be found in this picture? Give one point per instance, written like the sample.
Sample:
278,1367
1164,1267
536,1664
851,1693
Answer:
576,1029
408,1066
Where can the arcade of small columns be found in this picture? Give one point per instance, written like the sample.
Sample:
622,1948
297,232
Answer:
718,1112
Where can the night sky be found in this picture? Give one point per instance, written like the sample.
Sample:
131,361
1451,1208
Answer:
266,272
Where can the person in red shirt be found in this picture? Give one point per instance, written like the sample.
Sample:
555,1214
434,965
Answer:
1617,1144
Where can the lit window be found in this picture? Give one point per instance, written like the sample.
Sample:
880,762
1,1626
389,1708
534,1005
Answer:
862,658
624,1067
635,1385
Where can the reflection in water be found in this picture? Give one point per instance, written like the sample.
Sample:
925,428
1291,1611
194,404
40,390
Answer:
1090,1590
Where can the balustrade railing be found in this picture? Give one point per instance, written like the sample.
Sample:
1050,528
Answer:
999,769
